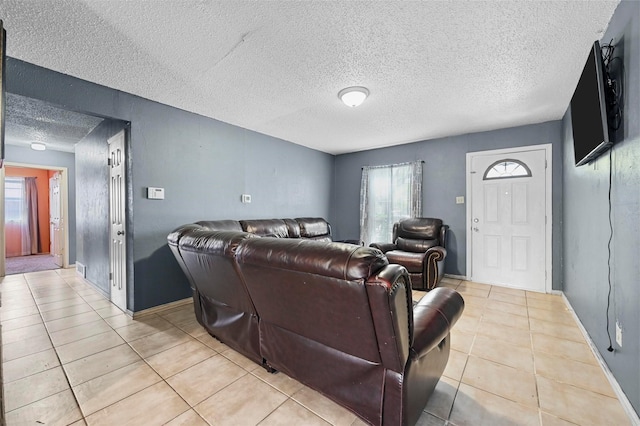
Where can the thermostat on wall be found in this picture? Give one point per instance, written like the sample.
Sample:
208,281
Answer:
155,193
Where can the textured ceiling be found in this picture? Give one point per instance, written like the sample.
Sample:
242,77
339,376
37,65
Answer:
434,68
30,120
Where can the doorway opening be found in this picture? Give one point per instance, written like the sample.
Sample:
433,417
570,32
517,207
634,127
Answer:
35,212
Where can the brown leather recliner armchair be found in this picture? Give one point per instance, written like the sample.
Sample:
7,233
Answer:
418,245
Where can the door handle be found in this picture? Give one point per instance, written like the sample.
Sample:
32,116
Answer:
475,229
120,233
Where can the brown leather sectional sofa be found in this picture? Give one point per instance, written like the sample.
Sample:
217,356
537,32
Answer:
336,317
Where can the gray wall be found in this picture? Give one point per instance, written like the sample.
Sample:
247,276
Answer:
92,205
203,164
18,154
586,221
444,179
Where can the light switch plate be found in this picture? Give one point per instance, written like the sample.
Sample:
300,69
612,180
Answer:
245,198
155,193
459,200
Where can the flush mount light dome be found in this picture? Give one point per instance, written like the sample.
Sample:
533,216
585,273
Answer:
37,146
353,96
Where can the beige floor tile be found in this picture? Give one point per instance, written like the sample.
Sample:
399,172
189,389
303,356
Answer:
508,298
22,348
503,353
99,364
24,333
178,315
468,324
33,388
199,382
324,407
154,405
143,327
192,328
579,406
562,348
510,335
55,296
544,296
473,310
60,304
561,331
475,407
109,311
93,297
557,316
103,391
160,341
506,307
119,320
71,321
99,303
576,373
212,342
9,313
504,318
57,409
427,419
89,346
280,381
507,382
549,420
179,358
476,285
66,312
461,341
467,290
441,401
28,365
456,364
550,304
292,413
188,418
247,401
508,290
79,332
240,359
451,281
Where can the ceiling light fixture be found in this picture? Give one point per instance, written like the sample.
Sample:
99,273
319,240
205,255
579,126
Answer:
353,96
37,146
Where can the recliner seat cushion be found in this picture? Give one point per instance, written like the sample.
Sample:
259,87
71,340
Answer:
416,245
410,260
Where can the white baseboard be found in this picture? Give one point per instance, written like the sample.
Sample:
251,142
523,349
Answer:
622,397
160,308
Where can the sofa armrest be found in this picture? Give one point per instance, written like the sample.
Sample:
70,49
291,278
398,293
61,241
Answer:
384,247
436,254
433,318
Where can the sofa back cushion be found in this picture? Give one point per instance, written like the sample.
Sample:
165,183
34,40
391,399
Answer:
419,228
315,228
314,290
266,227
220,225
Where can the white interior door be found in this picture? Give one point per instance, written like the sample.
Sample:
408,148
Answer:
118,243
508,218
55,220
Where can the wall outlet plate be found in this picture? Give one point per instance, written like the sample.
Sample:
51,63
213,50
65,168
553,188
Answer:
460,200
618,334
245,198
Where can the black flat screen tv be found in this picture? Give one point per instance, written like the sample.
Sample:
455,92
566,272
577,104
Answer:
589,110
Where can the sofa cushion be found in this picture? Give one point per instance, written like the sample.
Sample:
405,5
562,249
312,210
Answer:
420,228
407,244
314,227
220,225
266,227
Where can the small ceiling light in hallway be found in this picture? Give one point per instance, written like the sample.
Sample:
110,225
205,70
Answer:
353,96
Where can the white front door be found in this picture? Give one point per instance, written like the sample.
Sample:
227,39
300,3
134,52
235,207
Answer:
118,241
507,217
55,220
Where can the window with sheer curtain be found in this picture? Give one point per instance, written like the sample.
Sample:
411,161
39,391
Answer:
388,194
21,216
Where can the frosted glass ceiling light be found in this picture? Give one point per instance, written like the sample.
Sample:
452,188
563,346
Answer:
353,96
37,146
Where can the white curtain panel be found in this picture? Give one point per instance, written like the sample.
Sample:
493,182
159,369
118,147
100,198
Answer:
388,194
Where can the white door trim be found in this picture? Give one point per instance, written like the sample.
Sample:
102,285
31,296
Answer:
64,189
548,201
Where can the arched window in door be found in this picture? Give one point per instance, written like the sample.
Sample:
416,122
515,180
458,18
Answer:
507,168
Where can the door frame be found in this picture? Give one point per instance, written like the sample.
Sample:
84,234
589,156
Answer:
547,148
64,189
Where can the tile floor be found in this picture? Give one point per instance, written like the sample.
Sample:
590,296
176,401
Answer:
70,357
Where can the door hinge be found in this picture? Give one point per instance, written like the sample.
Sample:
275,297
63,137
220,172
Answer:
472,172
545,164
108,161
110,276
